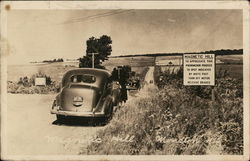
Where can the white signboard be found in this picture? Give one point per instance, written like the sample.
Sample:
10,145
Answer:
40,81
199,69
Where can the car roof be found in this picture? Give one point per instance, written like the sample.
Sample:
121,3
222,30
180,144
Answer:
100,74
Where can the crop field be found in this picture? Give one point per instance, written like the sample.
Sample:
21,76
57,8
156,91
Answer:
230,59
231,65
132,61
56,70
171,69
138,64
233,70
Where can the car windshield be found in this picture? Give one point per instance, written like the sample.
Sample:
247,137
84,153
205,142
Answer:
85,78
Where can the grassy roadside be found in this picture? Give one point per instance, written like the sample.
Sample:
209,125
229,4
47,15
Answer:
176,120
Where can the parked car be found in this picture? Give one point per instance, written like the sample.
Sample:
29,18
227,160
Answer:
86,92
133,84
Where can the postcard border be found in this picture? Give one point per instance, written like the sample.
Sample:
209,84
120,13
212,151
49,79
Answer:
23,5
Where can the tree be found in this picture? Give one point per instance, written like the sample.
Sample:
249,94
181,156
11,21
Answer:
121,74
102,46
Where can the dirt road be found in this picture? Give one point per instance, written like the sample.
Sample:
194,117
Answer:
148,89
150,75
30,128
149,80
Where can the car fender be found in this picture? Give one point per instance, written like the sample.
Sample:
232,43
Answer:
53,104
56,101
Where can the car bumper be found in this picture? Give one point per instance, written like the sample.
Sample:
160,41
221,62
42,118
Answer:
79,114
131,88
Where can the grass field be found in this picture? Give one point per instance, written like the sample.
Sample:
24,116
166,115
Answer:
138,64
54,70
231,64
234,70
132,61
57,70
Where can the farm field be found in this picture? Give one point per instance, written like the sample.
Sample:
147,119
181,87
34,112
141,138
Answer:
231,64
233,70
232,59
132,61
56,70
138,64
171,69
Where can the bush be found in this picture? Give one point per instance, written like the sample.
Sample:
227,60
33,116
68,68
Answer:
232,138
27,86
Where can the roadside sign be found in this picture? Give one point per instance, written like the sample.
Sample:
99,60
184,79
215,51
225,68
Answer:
40,81
199,69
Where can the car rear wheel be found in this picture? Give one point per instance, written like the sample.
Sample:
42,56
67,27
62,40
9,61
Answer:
60,118
110,112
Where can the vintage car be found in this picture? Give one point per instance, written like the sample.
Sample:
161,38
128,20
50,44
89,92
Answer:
133,84
86,92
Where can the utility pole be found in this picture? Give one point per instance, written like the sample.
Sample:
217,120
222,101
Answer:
93,59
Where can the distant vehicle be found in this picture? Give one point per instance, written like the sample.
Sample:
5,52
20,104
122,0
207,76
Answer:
151,81
86,92
133,84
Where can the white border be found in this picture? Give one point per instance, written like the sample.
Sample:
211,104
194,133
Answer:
127,5
246,78
3,34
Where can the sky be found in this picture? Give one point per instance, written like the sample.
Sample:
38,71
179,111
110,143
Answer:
35,35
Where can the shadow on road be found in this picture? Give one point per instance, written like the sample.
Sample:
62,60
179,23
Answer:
72,121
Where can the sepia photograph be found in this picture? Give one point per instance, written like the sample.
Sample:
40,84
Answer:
124,80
